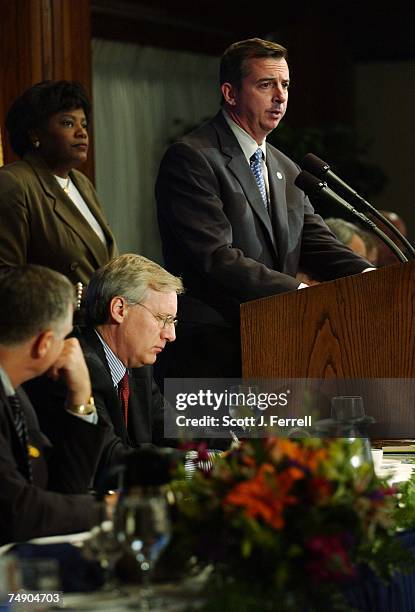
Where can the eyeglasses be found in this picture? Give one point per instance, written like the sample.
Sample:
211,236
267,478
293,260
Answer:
162,320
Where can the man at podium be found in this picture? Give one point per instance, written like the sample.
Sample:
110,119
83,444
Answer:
233,224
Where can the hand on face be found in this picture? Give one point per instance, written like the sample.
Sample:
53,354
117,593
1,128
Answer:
71,367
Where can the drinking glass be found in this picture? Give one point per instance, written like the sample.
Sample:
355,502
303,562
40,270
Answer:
349,412
242,407
104,547
40,574
142,525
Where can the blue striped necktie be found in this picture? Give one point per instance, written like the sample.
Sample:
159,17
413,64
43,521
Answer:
21,430
255,163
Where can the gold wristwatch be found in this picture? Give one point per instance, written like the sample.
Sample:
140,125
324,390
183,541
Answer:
83,409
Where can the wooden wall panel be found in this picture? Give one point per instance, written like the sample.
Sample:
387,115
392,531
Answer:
20,65
39,40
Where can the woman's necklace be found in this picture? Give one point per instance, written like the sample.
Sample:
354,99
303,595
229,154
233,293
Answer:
66,187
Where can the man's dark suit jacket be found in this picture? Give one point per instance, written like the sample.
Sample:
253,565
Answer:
41,509
145,413
145,405
218,236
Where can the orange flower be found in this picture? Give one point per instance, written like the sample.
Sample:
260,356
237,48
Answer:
280,448
288,476
315,457
248,460
266,495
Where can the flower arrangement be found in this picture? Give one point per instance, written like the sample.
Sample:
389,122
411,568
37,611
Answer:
289,523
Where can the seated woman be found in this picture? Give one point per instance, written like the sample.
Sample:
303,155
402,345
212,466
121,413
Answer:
49,211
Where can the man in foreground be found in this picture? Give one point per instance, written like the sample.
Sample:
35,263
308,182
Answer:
43,489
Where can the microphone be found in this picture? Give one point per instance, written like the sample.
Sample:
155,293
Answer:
321,169
314,186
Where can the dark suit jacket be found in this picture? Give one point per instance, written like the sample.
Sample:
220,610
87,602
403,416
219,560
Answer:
145,405
145,414
40,224
217,234
41,509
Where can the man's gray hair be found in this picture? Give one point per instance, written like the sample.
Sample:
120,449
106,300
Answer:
129,276
32,299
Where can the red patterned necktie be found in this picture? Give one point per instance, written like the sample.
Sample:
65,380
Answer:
124,393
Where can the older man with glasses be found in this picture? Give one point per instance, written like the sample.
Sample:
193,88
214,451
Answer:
130,314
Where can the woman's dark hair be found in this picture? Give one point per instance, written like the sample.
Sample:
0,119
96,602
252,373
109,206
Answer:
35,106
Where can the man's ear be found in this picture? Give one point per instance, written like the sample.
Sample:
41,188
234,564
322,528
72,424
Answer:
118,309
229,93
41,344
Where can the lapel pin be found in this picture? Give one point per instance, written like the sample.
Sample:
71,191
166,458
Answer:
33,452
279,175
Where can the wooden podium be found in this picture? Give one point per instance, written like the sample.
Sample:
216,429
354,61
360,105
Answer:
359,327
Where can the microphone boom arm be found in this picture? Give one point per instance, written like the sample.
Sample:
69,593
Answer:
319,168
386,222
310,184
374,228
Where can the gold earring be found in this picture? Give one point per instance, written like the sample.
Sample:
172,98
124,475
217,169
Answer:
36,144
